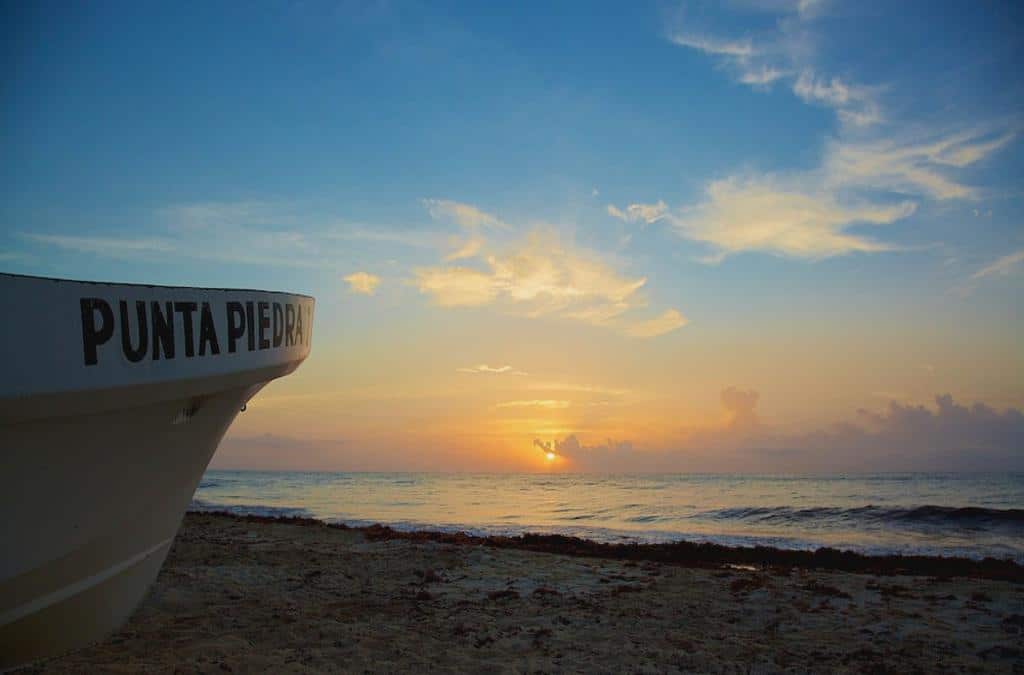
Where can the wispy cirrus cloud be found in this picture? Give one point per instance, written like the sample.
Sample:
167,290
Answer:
875,171
465,215
639,213
219,214
244,232
279,234
15,257
666,322
573,387
470,218
735,49
810,214
549,404
761,76
917,165
854,104
382,235
784,55
765,214
484,369
362,283
115,247
1002,266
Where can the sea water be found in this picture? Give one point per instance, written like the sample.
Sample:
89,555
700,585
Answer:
938,514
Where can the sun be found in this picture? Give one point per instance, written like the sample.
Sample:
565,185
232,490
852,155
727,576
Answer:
550,456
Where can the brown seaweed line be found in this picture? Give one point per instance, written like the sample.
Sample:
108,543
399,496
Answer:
684,553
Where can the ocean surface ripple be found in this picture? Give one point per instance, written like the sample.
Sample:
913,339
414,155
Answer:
937,514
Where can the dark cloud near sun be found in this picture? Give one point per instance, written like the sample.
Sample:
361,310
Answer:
948,436
741,404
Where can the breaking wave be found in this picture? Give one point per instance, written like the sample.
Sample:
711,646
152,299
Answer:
200,506
967,517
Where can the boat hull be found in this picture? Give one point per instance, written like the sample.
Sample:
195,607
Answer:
98,479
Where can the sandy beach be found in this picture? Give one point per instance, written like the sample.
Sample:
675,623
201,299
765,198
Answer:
254,595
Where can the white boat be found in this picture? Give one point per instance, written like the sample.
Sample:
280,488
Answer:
113,399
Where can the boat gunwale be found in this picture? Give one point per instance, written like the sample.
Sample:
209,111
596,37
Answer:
164,286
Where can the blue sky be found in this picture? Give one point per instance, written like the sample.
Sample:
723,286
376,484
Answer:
844,178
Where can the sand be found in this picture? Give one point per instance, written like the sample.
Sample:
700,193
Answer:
247,596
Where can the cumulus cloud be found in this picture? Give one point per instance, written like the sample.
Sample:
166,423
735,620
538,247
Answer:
457,286
541,274
363,283
1003,266
485,369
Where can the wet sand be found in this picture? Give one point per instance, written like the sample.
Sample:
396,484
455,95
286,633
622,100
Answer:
257,595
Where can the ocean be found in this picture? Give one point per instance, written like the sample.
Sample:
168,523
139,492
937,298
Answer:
917,513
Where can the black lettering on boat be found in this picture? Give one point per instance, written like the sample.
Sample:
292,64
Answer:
278,324
93,336
132,353
186,310
299,336
262,309
289,325
235,329
163,330
208,332
250,322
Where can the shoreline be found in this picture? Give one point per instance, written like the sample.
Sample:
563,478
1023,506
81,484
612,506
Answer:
685,553
254,594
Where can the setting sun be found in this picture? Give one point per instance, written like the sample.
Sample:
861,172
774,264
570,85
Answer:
551,456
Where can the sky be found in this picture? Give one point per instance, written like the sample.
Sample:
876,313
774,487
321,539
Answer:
748,236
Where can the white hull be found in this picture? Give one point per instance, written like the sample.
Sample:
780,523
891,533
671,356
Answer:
96,476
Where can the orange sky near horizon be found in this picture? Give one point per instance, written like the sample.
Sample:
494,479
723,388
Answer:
378,399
